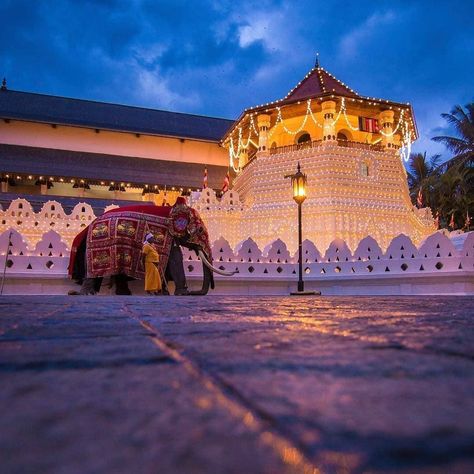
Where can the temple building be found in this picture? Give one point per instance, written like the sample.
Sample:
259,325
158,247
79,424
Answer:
351,148
56,146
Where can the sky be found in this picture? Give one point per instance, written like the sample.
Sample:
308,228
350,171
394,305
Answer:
218,57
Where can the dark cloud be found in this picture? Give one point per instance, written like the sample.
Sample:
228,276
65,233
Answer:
219,57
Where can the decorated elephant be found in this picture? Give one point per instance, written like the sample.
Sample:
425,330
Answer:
111,246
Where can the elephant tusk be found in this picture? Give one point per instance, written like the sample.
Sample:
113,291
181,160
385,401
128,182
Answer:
213,269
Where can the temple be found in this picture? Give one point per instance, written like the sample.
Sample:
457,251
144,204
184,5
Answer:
57,146
349,146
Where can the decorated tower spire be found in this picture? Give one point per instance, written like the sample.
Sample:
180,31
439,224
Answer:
316,64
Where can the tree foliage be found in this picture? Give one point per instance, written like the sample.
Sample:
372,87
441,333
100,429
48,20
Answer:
448,188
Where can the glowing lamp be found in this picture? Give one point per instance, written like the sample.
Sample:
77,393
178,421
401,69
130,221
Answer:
298,183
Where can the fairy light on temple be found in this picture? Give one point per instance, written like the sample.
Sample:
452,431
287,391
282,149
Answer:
351,146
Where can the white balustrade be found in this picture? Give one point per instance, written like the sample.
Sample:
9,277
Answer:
39,248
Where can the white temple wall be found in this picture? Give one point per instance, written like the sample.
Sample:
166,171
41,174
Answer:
341,201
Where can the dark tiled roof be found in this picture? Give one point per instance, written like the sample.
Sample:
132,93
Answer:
318,82
96,167
99,115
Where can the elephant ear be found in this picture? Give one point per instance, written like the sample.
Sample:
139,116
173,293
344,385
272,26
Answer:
187,223
199,233
180,216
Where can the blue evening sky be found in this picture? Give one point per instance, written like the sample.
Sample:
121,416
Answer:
217,57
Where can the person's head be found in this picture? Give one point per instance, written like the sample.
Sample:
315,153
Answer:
149,238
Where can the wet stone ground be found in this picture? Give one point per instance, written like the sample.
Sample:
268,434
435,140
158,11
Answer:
236,385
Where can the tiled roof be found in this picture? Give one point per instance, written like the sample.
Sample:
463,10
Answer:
318,82
99,115
97,167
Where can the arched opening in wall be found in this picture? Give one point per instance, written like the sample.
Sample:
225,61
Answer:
341,136
273,147
344,136
303,139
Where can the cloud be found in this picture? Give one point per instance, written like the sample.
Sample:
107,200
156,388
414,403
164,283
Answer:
217,57
156,91
248,34
359,38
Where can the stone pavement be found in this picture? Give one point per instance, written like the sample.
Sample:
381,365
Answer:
236,385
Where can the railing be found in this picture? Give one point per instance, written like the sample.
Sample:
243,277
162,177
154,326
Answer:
295,147
359,145
317,143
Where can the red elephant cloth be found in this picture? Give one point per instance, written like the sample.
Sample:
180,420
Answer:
141,212
115,240
114,248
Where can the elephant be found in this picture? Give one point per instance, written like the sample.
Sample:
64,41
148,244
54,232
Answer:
111,247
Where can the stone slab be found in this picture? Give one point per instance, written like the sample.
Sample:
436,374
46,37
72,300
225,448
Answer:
234,384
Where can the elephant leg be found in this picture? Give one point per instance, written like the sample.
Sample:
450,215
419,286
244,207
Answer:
97,284
176,270
90,286
121,285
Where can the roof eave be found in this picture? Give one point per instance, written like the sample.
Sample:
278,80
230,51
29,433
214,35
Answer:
277,103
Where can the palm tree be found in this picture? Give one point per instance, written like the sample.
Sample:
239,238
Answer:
454,195
423,174
463,145
455,190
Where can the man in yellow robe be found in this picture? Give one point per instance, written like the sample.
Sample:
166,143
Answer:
152,273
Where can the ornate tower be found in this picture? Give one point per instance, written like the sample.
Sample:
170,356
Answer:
347,144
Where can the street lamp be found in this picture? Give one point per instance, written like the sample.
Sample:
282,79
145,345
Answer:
298,183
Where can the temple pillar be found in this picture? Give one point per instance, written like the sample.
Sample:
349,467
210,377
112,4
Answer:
386,124
4,187
329,127
263,123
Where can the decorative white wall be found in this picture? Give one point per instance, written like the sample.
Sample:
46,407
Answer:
38,255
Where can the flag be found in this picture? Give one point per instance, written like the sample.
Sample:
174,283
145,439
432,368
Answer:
467,222
437,220
204,181
225,184
419,199
368,125
451,222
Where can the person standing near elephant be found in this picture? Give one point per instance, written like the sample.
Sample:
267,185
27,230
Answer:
152,273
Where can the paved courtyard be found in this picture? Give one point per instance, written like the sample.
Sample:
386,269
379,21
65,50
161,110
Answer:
236,385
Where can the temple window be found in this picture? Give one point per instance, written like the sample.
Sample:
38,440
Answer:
305,137
341,136
364,169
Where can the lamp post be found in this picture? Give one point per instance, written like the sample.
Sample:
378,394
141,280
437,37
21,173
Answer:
298,183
